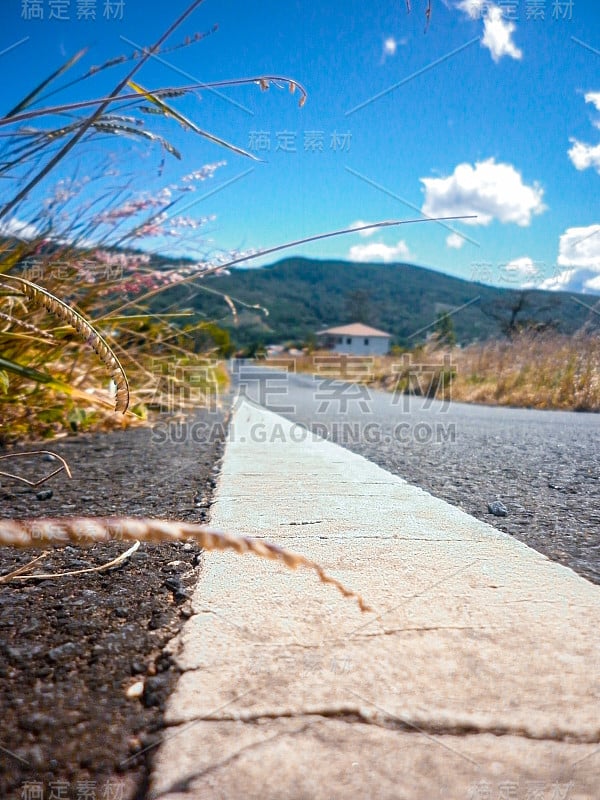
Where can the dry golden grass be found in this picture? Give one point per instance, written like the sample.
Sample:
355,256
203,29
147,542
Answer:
531,371
78,259
91,530
545,371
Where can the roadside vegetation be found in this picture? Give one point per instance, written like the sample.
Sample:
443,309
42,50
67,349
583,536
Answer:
93,319
78,260
528,370
549,371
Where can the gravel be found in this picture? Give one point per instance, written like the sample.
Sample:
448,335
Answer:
71,647
498,509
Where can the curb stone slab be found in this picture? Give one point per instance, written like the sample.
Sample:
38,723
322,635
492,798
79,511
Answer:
475,678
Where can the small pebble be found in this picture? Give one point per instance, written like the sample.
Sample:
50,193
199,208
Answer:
153,690
36,722
135,691
178,589
498,509
35,756
62,651
44,494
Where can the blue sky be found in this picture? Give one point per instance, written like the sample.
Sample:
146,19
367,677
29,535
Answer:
493,111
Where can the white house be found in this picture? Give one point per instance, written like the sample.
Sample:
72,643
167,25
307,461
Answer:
356,339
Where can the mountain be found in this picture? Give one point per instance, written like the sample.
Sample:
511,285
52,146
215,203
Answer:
304,295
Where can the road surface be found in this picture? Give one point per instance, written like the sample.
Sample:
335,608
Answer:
543,465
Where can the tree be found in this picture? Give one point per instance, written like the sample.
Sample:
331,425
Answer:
518,312
444,329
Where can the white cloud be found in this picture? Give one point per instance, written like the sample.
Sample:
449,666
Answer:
579,252
497,32
490,190
360,224
21,230
593,285
524,267
472,8
584,155
378,251
580,247
497,35
390,46
563,282
455,240
594,98
582,281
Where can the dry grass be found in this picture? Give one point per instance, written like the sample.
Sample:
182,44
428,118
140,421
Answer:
71,270
92,283
545,371
91,530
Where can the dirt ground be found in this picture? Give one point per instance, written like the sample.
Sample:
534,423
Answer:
71,647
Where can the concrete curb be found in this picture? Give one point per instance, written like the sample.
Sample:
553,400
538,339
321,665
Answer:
478,672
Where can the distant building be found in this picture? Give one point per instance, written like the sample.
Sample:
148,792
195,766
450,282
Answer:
356,339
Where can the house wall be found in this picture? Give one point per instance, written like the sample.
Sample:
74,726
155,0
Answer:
356,346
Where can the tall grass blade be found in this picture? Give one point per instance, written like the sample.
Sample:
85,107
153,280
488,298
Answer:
58,157
39,296
27,101
187,123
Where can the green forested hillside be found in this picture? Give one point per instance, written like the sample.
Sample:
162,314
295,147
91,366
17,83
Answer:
304,295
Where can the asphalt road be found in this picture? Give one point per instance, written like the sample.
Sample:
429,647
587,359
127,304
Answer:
543,465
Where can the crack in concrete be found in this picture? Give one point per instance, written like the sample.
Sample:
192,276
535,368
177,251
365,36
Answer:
351,637
394,722
184,785
343,535
419,629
